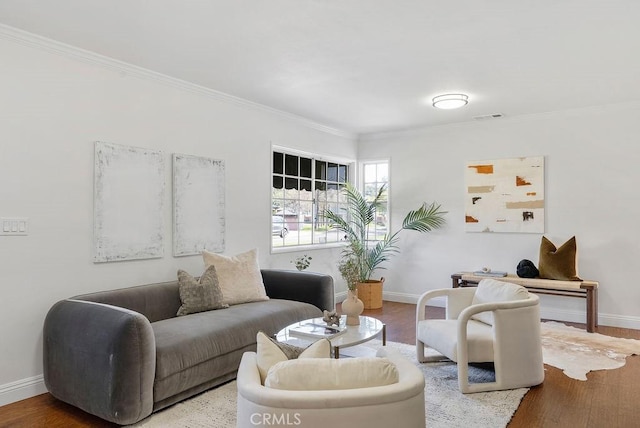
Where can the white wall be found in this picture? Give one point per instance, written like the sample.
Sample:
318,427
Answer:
592,176
53,109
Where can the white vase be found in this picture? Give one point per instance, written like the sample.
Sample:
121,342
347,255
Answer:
352,307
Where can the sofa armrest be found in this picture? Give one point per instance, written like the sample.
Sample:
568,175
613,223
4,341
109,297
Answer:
100,358
307,287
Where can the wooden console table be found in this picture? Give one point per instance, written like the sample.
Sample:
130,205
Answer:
584,289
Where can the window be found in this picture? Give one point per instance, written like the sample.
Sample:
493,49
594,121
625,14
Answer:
375,175
303,187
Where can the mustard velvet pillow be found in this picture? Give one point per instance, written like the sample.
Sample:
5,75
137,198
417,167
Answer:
559,263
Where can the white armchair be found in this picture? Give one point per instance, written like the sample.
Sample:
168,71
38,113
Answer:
496,322
339,406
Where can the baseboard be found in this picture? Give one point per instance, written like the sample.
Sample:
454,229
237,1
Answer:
22,389
610,320
392,296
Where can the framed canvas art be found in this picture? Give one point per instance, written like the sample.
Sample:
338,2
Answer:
198,205
129,191
505,195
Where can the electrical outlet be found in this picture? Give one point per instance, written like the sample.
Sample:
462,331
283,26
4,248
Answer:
14,226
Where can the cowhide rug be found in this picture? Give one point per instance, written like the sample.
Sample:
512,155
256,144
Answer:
577,352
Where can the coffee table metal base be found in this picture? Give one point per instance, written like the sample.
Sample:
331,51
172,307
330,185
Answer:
336,349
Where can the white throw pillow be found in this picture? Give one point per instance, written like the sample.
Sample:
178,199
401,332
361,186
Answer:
331,374
239,276
490,291
269,353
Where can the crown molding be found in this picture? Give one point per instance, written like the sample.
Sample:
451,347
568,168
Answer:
78,54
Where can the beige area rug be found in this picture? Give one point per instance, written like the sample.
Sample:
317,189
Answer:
573,350
446,407
577,352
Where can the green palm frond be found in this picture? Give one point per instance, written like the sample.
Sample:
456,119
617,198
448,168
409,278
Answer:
362,212
361,257
378,201
339,223
424,219
380,253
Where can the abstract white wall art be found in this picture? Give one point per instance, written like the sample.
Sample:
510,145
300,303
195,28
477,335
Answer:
198,205
129,192
505,195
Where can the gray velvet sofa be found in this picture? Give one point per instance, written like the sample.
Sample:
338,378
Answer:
123,354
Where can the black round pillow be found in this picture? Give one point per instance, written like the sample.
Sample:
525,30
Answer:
526,269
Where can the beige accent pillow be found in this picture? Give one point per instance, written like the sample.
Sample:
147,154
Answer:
269,353
491,291
331,374
239,276
199,295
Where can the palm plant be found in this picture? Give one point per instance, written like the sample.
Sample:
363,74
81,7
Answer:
361,257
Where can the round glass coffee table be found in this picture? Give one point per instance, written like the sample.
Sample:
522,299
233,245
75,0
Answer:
354,335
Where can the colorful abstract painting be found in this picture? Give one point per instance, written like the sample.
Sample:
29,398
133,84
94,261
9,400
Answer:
505,195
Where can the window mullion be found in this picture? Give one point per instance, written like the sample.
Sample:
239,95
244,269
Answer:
314,206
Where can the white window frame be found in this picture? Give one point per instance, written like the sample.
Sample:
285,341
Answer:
362,183
351,174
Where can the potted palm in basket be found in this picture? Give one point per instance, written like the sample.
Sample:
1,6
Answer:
362,256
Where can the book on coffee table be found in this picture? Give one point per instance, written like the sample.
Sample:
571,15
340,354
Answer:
316,330
494,274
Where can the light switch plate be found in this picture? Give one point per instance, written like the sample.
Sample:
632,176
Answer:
14,226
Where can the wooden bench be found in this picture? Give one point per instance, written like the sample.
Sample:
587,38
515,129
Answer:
584,289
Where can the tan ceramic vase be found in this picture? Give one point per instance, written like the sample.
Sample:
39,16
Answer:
352,307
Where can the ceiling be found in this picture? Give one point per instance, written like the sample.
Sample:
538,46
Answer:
366,66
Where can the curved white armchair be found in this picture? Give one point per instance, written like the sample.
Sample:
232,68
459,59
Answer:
496,322
371,407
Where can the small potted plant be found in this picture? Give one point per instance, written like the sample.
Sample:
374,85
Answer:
352,306
348,268
302,262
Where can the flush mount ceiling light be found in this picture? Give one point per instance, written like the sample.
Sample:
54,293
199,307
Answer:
450,101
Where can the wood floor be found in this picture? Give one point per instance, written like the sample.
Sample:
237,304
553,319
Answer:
608,399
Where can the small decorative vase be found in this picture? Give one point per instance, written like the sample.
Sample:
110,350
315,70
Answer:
352,307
